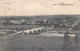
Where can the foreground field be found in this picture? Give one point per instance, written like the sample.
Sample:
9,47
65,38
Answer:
46,41
23,42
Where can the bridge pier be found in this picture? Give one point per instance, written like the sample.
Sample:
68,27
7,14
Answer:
35,31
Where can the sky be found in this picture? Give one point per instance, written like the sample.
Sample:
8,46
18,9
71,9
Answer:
37,7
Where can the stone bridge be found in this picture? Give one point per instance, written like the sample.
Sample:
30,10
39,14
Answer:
33,31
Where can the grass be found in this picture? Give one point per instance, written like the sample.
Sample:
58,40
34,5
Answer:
21,41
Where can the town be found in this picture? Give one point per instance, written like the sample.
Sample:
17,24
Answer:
40,33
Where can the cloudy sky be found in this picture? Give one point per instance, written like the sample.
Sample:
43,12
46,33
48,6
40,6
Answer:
37,7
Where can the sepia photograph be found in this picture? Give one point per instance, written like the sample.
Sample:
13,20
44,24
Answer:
40,33
39,25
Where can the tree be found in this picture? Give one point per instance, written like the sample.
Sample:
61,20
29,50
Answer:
67,43
76,39
41,22
5,24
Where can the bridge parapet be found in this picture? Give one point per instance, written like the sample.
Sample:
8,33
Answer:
35,30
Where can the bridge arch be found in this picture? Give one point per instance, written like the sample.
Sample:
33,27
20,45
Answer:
30,33
35,32
25,33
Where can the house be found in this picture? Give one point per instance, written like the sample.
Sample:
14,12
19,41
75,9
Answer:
16,21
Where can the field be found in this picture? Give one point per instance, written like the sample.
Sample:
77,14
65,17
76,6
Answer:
20,42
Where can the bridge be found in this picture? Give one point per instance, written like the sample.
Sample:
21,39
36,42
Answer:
30,31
